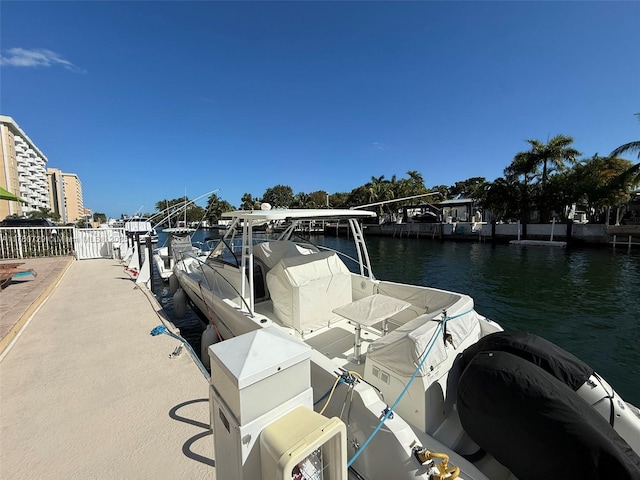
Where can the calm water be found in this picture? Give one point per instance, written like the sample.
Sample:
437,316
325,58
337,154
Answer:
587,301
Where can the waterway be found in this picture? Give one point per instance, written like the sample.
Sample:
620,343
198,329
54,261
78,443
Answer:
585,300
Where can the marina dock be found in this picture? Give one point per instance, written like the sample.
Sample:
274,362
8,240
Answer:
85,390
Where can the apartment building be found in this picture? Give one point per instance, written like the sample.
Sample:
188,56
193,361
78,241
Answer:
22,170
57,193
65,192
74,209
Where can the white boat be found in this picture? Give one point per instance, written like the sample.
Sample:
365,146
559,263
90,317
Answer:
178,239
387,359
142,227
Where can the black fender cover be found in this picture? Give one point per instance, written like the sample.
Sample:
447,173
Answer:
536,425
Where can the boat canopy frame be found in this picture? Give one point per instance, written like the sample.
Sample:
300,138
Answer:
248,219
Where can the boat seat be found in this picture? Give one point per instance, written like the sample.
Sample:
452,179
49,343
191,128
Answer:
306,289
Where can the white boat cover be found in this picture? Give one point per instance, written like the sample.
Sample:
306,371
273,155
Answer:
272,252
401,351
181,243
305,289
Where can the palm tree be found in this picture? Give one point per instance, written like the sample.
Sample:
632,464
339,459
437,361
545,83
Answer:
417,182
523,166
550,156
376,187
380,190
627,147
633,174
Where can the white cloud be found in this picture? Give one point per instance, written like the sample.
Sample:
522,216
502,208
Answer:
38,57
377,146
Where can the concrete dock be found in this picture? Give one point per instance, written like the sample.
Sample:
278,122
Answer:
85,391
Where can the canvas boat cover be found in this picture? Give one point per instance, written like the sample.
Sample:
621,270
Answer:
537,426
305,289
563,365
272,252
401,350
181,243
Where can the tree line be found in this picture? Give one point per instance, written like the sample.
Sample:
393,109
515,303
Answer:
546,178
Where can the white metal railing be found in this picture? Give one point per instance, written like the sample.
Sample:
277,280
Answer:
98,242
30,242
33,242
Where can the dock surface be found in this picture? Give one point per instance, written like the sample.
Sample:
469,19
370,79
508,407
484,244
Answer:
86,392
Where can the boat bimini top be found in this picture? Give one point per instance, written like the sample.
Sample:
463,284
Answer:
301,214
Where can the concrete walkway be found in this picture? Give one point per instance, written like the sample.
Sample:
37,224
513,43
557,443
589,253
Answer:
86,392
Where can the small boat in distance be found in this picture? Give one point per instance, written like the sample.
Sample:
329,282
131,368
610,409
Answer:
178,240
140,226
410,370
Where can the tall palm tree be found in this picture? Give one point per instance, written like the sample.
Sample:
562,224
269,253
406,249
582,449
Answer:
417,180
376,188
627,147
550,156
380,190
633,174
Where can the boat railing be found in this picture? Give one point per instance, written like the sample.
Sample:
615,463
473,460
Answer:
355,261
341,254
212,278
203,246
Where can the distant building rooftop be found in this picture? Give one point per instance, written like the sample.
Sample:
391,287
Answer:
457,201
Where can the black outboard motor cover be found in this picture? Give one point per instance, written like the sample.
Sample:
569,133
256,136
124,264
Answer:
537,426
566,367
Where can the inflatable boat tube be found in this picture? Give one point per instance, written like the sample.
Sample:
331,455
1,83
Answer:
537,426
571,371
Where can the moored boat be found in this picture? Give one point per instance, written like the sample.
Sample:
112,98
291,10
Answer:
178,239
388,360
142,227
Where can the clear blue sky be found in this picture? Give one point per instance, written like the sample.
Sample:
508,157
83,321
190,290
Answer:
144,100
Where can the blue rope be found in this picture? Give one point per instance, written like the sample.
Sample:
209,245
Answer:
389,411
160,329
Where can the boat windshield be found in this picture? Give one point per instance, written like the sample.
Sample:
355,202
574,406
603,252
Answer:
227,251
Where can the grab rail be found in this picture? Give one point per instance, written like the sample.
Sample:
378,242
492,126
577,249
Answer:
338,252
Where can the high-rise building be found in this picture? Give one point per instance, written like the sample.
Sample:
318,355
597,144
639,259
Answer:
65,190
56,193
73,197
22,170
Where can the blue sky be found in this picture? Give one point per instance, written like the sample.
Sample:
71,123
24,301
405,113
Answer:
147,100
